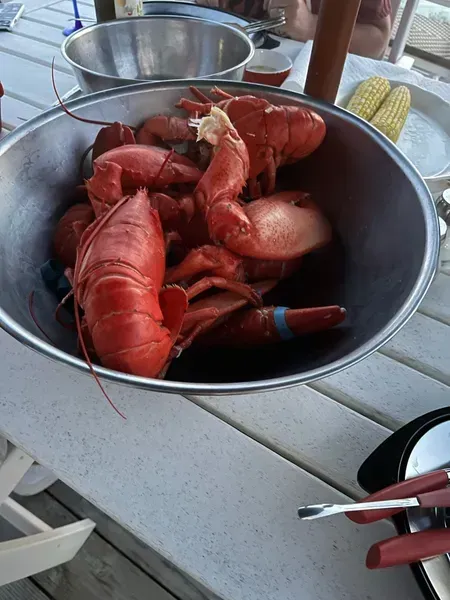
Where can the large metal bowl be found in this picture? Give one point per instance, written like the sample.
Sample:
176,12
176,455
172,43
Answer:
155,48
190,9
379,267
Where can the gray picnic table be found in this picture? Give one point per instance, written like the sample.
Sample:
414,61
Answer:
212,484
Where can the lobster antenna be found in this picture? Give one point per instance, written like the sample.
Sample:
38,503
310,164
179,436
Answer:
71,114
83,250
166,160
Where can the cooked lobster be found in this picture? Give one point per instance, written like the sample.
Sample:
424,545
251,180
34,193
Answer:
117,281
125,169
274,135
272,228
69,230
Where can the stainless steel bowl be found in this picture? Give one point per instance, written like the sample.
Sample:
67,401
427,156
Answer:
380,266
155,48
189,9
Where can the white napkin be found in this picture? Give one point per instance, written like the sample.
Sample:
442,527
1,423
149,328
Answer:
358,68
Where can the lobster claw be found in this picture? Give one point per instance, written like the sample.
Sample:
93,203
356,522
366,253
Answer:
270,324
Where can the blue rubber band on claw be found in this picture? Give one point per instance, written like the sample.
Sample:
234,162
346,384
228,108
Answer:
279,316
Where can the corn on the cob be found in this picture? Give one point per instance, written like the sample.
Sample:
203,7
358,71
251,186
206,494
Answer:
392,114
369,96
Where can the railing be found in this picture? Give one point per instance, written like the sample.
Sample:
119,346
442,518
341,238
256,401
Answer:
400,41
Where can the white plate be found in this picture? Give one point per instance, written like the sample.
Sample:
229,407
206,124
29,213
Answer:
425,138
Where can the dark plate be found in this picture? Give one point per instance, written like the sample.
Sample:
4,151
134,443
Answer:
421,446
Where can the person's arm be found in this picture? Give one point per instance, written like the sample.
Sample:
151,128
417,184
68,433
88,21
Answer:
368,39
371,40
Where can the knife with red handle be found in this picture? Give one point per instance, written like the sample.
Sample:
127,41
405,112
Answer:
404,489
408,548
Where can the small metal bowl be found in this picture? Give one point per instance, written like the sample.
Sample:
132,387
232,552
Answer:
156,48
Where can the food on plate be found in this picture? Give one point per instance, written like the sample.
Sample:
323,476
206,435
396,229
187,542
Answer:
172,249
369,96
391,116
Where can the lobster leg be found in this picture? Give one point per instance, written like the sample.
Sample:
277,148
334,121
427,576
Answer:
242,289
269,325
69,230
209,312
161,127
207,259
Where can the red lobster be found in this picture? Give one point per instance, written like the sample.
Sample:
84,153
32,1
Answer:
274,135
69,230
270,324
117,281
271,228
129,167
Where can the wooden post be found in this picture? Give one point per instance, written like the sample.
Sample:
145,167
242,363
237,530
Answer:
335,24
104,10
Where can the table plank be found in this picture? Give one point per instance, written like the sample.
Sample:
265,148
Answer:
39,32
53,18
432,357
307,428
35,52
212,502
31,82
32,5
386,391
437,300
15,112
66,7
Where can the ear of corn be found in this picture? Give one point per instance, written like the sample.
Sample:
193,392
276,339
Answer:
391,116
369,96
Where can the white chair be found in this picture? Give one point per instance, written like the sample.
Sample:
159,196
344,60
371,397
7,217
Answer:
42,547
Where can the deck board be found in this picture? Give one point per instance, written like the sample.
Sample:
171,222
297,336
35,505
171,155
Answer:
143,556
24,589
98,572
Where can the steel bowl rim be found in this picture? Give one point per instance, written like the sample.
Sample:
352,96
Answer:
116,22
411,303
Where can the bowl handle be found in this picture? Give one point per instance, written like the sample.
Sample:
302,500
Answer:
335,24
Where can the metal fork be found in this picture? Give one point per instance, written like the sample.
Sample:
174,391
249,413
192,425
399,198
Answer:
263,24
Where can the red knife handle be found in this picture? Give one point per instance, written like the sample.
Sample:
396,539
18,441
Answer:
435,499
408,548
404,489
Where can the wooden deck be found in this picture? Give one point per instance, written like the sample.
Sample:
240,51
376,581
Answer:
112,565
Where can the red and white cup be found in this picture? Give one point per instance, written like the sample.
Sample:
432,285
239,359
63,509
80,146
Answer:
268,68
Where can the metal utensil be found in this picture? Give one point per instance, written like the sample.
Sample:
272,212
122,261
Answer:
371,268
438,498
262,25
155,48
428,482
